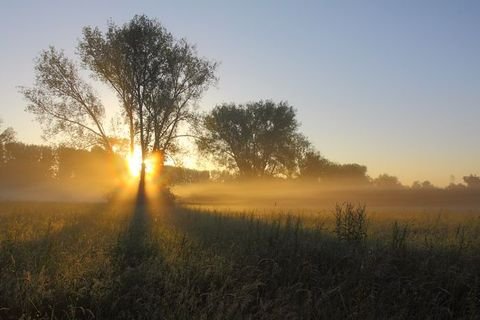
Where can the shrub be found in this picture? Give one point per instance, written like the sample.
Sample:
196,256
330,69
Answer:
351,223
399,238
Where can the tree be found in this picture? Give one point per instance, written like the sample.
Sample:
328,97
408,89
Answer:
7,135
472,181
387,181
313,166
156,77
64,104
350,173
258,139
426,185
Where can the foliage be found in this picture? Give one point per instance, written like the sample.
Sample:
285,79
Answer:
7,135
65,104
351,223
315,167
472,181
387,181
422,185
258,139
43,165
156,77
35,163
179,175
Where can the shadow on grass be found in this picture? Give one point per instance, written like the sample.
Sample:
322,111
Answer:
132,260
133,247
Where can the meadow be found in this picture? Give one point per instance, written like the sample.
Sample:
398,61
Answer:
141,260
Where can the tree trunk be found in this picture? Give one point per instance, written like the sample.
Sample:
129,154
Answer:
132,134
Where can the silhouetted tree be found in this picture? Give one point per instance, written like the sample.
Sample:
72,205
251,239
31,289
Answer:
472,181
350,173
315,167
7,135
422,185
156,77
86,166
64,104
312,166
456,186
258,139
26,164
179,175
387,181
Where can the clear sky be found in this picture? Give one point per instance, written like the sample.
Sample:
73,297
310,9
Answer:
394,85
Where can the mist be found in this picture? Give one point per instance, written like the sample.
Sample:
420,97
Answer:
307,195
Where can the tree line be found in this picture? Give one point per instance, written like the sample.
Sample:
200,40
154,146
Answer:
26,165
158,80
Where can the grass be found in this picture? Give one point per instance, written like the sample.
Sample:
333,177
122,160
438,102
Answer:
101,261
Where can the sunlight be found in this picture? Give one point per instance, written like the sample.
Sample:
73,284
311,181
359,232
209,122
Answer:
135,164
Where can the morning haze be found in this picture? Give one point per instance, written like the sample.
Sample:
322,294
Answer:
393,86
256,160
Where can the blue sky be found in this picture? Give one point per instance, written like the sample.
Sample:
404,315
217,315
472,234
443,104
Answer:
394,85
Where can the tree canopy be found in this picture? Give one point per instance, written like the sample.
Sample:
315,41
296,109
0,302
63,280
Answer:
64,104
6,135
156,77
258,139
315,167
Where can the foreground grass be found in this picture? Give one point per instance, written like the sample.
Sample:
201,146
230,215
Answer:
74,261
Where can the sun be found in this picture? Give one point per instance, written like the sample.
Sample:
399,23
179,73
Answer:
134,162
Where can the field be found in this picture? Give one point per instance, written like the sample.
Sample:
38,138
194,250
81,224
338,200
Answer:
141,260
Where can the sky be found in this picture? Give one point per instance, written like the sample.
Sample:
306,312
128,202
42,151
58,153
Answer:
393,85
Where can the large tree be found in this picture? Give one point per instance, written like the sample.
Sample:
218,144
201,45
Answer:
64,103
156,77
258,139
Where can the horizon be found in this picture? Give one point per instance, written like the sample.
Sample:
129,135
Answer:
391,86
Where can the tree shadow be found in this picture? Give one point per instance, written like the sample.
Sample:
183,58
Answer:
132,258
133,246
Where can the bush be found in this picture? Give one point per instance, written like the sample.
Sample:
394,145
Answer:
351,223
399,238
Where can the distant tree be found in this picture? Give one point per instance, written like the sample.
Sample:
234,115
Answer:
350,173
95,166
64,104
223,176
179,175
315,167
472,181
258,139
156,77
26,164
387,181
312,166
455,186
7,135
422,185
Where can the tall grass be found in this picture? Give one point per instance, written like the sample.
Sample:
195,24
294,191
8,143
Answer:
61,261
